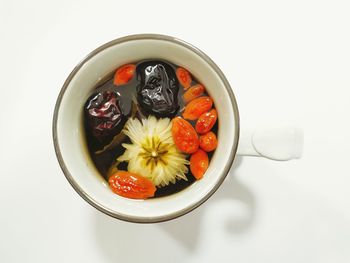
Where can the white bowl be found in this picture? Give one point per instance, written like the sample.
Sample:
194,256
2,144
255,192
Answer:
69,138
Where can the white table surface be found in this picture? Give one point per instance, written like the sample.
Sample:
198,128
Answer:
287,61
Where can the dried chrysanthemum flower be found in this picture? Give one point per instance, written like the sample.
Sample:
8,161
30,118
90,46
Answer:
152,152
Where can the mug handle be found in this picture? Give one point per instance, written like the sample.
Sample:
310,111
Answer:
275,143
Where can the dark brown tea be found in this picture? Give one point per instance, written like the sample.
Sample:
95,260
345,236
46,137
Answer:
150,129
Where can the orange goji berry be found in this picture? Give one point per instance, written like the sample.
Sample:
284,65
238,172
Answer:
208,142
184,135
124,74
184,77
131,185
193,92
206,121
199,163
197,107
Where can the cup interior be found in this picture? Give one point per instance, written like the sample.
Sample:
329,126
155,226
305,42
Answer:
69,137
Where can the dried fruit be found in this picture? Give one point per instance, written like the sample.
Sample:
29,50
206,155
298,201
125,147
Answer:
158,88
124,74
199,163
104,114
206,121
197,107
118,137
184,135
184,77
208,142
193,92
131,185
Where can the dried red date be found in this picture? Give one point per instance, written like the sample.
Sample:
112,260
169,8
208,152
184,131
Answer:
103,113
157,89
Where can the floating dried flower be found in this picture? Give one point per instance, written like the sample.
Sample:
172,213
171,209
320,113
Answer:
152,152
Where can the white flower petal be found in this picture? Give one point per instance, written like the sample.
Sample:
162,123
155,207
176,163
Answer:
152,133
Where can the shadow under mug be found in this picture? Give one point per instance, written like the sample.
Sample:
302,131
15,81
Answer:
79,169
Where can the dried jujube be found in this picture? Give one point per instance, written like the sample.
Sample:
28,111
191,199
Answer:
104,114
157,89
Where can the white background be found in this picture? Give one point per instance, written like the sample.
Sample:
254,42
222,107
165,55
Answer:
287,61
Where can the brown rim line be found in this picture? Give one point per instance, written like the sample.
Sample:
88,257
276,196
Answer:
85,195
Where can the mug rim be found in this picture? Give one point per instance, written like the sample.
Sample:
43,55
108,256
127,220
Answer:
85,195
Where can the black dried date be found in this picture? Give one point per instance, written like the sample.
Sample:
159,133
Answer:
104,114
157,89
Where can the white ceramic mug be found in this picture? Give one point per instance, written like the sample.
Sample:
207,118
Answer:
71,148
